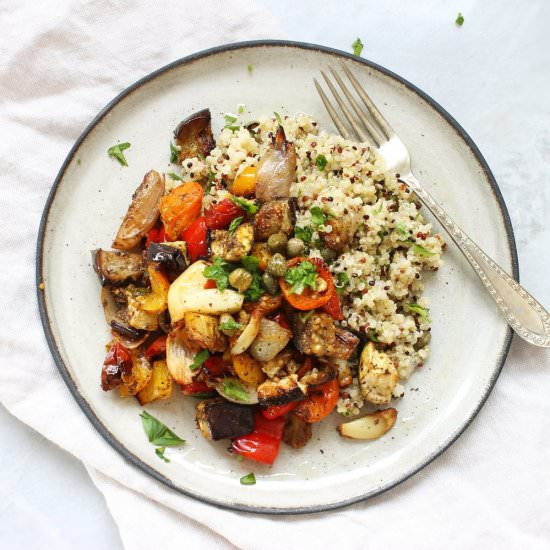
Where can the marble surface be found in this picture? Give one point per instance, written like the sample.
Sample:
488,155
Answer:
495,63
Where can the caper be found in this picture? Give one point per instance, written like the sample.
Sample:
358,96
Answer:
328,254
277,265
277,242
295,247
270,283
240,279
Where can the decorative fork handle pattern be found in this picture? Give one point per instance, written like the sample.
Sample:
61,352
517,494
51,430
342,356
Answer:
524,314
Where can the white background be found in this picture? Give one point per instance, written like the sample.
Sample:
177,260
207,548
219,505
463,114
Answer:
498,61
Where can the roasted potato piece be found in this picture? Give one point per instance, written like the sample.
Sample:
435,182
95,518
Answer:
377,375
285,390
262,252
118,268
137,378
159,386
278,216
248,369
232,246
138,318
203,331
297,432
194,135
219,419
155,301
371,426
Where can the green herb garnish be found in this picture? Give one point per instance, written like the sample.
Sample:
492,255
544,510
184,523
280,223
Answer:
199,359
459,19
116,152
419,310
218,271
321,162
174,176
233,388
419,250
249,68
248,479
357,47
301,276
250,263
229,122
402,230
318,217
255,290
158,433
230,324
278,118
304,233
234,224
211,176
174,153
304,317
342,279
159,451
240,109
247,206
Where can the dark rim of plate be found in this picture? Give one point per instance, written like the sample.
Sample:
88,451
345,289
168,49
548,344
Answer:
87,409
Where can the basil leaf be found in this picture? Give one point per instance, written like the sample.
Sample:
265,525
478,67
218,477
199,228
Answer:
230,324
218,271
157,432
459,19
278,118
321,162
419,310
199,359
159,451
174,176
116,152
318,217
247,206
233,388
235,223
174,154
304,233
357,47
248,479
301,276
419,250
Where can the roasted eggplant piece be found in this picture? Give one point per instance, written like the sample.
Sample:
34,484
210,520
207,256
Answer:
194,135
143,212
345,344
202,330
296,432
278,216
232,246
169,257
318,375
285,390
317,336
118,268
219,419
277,169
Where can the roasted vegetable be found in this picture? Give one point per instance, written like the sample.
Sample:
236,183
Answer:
277,169
297,432
196,238
316,336
159,385
245,182
143,212
262,252
202,330
221,214
263,443
248,369
138,377
194,135
180,356
319,403
118,268
155,301
371,426
236,391
276,216
341,233
377,375
285,390
138,317
345,344
232,247
180,208
318,376
169,256
271,339
187,293
218,419
117,363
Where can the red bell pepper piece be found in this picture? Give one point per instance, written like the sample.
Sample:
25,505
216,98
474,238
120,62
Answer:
197,389
268,426
278,411
157,348
210,284
220,215
214,366
257,446
195,237
155,235
333,308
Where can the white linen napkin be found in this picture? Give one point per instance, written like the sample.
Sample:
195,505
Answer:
61,62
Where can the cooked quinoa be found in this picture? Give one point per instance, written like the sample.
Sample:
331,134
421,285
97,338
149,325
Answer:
379,273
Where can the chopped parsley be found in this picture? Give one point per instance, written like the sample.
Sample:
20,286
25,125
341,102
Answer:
342,279
240,109
357,47
233,388
235,223
459,20
174,176
159,451
211,176
199,359
304,233
402,230
302,276
248,479
250,263
249,68
321,162
158,433
218,272
230,122
419,250
419,310
278,118
247,206
230,324
318,217
255,290
116,152
174,153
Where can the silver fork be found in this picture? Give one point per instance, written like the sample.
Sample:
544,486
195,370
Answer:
524,314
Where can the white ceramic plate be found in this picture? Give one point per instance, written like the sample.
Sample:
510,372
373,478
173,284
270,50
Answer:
91,194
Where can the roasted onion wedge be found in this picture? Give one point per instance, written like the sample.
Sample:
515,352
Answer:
194,135
371,426
118,268
143,212
180,355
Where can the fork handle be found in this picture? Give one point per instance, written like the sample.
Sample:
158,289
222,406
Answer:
524,314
